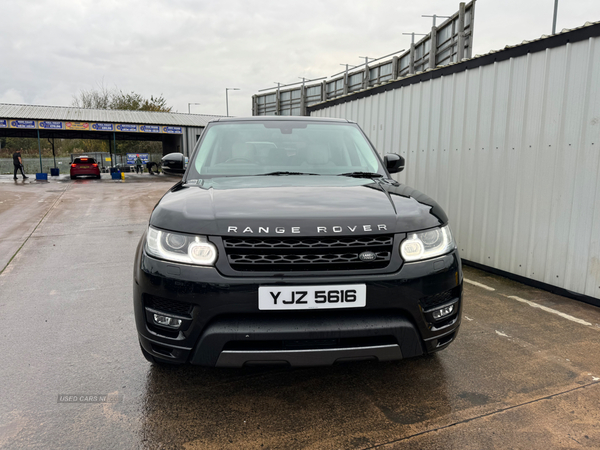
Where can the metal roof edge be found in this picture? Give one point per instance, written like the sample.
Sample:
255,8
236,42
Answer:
73,113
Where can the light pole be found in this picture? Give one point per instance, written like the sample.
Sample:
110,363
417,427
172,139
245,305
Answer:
554,17
227,97
191,104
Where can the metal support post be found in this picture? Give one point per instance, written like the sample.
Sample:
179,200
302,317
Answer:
346,78
302,98
40,150
411,63
460,45
51,142
277,101
471,31
366,72
109,155
432,47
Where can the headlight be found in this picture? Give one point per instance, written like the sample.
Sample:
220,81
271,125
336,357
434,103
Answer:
427,244
179,247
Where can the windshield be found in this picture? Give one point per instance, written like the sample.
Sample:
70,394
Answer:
282,148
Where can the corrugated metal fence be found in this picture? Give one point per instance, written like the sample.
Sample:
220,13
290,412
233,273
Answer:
451,41
510,149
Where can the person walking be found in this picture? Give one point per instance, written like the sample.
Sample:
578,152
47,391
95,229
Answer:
18,163
138,165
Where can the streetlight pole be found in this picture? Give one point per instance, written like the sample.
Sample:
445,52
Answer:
227,97
191,104
554,17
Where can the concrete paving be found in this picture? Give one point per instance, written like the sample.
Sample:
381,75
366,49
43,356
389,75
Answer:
524,371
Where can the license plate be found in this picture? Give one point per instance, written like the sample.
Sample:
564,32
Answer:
84,167
312,297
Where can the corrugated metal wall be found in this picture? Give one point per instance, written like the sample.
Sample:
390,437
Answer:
511,151
190,137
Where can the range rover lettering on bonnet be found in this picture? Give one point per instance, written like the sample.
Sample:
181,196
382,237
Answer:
298,230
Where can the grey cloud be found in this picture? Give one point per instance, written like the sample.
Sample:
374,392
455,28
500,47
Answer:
190,50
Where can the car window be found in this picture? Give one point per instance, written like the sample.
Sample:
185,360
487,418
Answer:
84,161
254,148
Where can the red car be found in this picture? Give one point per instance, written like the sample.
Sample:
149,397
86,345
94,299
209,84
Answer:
84,166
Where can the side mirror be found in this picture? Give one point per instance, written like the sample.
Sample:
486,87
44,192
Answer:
394,163
173,164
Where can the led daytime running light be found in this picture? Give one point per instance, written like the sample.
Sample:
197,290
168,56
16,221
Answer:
196,250
427,244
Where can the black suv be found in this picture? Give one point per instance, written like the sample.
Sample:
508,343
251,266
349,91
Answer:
287,242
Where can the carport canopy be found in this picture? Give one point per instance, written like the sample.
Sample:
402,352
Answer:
177,131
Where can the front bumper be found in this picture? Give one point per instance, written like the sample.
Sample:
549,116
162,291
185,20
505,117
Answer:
222,325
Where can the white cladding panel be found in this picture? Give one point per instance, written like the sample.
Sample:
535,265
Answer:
511,151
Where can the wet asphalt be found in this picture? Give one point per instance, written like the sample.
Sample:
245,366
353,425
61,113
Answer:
524,372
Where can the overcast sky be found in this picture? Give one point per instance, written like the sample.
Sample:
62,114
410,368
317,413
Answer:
191,50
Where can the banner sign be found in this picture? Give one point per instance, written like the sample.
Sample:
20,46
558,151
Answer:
175,130
88,126
103,127
22,123
85,126
127,127
150,129
131,157
49,125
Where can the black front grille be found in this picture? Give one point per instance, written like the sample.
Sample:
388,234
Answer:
168,306
302,254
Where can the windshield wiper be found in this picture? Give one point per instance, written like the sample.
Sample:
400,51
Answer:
286,173
361,175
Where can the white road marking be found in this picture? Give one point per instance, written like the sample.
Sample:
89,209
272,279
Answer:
468,318
500,333
595,378
475,283
550,310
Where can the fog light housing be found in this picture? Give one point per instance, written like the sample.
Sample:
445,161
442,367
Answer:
443,312
167,321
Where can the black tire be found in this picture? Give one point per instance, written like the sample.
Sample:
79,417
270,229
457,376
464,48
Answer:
157,361
73,177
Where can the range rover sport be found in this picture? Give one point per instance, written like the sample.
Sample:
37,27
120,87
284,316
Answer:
287,242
